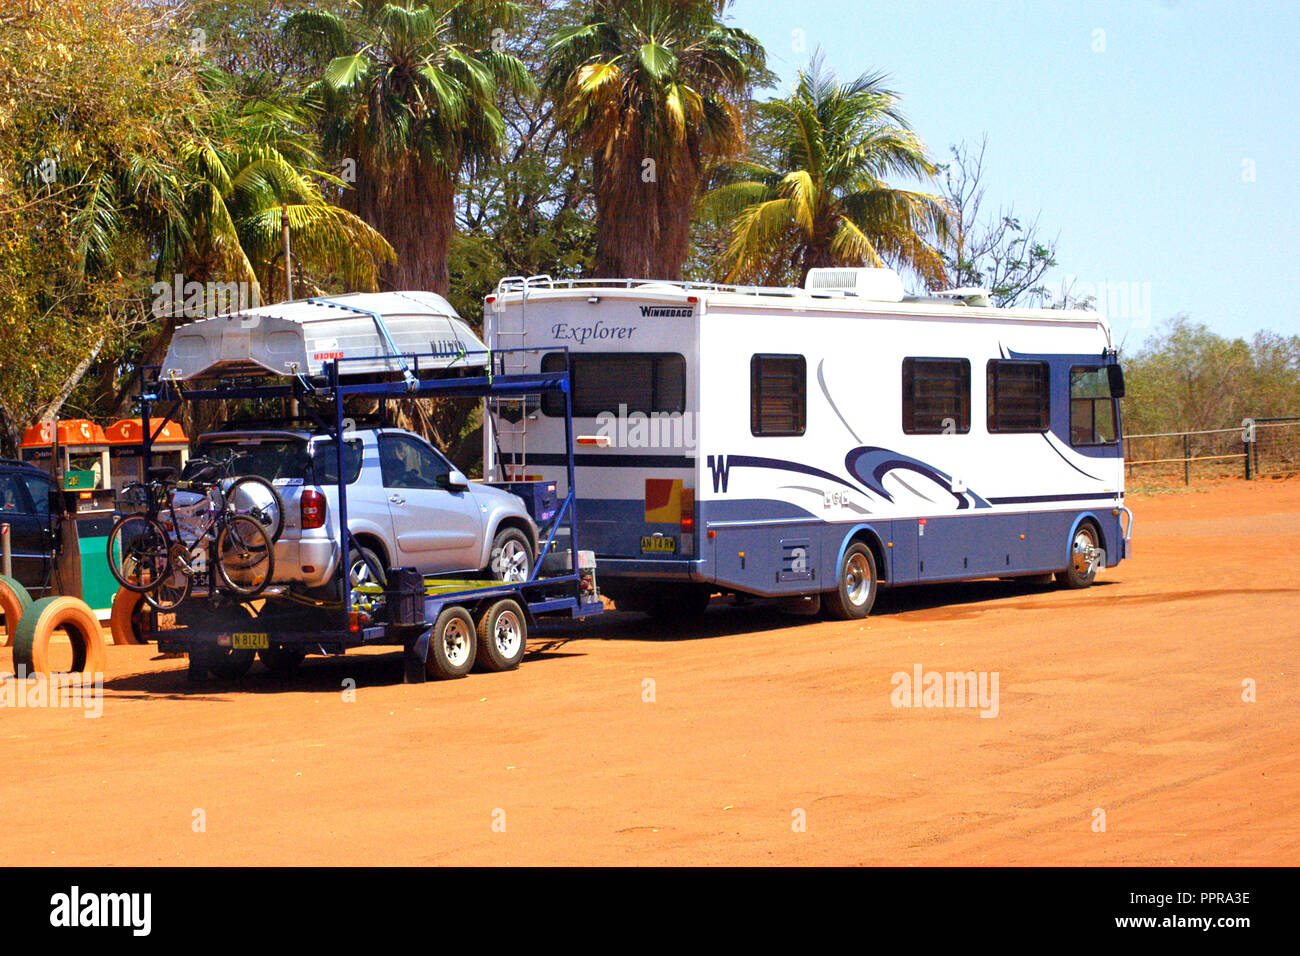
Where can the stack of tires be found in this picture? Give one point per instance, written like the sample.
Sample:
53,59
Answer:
30,626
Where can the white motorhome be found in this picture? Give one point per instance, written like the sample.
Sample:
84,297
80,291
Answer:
815,441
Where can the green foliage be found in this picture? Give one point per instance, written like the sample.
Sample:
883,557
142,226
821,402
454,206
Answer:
815,191
1187,377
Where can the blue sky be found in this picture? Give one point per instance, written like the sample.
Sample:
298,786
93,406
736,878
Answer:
1165,150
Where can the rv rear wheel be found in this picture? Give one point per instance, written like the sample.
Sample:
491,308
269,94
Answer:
856,590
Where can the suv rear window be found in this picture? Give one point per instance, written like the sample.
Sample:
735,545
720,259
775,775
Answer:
286,458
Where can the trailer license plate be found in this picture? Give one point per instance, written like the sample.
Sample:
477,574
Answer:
250,642
659,545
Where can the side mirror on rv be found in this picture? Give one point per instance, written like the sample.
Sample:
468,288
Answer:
1115,374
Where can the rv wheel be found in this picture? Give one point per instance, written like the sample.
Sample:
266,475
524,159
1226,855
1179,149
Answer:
1085,553
856,592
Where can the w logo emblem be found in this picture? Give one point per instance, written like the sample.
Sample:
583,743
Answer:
721,470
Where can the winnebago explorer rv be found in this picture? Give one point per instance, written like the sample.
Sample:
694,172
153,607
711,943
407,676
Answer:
816,441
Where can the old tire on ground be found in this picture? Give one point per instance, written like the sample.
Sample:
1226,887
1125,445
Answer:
14,599
855,592
280,660
40,622
127,617
452,644
502,636
1085,536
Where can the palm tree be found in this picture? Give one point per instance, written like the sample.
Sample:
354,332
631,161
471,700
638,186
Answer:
651,91
816,194
408,96
241,181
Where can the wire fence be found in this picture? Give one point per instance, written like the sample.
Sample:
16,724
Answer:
1259,447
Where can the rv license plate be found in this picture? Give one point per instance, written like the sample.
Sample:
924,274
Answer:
250,642
659,545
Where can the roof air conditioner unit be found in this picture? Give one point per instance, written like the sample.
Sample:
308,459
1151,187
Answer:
880,285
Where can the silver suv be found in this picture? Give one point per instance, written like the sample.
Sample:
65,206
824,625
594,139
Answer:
407,505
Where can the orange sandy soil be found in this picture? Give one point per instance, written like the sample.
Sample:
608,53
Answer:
1125,698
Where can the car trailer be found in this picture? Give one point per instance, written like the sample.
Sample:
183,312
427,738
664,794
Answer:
431,618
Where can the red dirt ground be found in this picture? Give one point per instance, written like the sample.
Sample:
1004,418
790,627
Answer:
1126,698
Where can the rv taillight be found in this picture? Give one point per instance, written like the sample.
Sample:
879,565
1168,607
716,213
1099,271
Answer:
489,298
688,511
313,509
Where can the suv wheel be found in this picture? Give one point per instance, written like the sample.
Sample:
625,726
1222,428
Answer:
512,556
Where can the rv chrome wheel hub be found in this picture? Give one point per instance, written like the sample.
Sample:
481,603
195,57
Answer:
857,579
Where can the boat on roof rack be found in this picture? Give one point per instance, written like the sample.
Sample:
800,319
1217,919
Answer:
367,333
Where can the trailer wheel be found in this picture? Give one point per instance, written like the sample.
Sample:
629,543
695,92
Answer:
452,644
225,663
281,660
502,636
126,621
14,599
1083,565
42,619
856,590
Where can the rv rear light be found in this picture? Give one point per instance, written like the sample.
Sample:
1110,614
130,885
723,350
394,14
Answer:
692,299
712,533
593,299
312,505
600,441
489,298
688,511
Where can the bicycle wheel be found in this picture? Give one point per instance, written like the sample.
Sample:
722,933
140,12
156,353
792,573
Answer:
138,553
245,557
171,592
254,496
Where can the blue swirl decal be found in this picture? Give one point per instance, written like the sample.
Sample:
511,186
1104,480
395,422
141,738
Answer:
870,464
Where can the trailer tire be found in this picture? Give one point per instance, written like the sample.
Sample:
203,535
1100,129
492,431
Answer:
14,599
855,591
452,644
124,621
280,660
502,636
224,663
42,619
1084,536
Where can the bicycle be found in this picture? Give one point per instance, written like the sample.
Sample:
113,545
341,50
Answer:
202,532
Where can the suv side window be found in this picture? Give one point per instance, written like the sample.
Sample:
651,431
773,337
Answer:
39,489
407,463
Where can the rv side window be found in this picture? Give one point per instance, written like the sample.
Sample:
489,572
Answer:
646,382
778,395
1018,396
1092,409
936,396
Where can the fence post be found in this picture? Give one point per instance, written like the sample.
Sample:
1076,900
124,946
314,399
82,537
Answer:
1187,459
1247,440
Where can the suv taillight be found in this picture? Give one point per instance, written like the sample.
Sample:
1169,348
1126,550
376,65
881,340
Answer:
313,509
